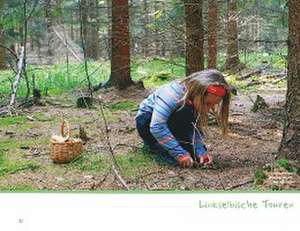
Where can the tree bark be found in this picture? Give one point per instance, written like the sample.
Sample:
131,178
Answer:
90,28
290,144
2,41
120,62
156,32
108,5
232,58
194,36
212,33
49,25
2,50
146,30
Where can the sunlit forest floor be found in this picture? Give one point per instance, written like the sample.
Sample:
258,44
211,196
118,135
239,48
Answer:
239,160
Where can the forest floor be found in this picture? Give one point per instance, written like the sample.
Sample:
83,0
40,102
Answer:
25,139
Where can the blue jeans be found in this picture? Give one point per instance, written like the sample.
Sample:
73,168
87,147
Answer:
181,126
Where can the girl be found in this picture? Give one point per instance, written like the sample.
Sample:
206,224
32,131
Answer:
172,120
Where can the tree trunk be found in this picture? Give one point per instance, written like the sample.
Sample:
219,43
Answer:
2,50
156,32
90,28
212,33
194,36
109,17
232,58
146,30
120,62
49,25
95,40
290,144
2,41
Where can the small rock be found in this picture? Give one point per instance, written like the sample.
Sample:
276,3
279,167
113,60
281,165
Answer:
182,187
9,133
59,179
88,177
171,173
30,118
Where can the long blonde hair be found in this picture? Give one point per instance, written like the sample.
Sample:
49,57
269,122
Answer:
196,85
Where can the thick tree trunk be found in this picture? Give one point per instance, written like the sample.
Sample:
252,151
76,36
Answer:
194,36
120,62
212,33
232,58
290,144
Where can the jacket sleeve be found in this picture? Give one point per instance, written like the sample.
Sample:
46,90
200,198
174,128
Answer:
165,103
199,146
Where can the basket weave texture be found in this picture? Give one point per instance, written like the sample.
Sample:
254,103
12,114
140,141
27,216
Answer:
64,148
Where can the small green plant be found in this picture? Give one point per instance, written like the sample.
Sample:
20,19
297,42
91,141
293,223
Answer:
268,167
284,163
260,176
123,105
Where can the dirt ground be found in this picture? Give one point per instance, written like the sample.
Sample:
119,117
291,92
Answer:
252,143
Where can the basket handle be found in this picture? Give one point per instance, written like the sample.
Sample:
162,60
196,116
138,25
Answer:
62,130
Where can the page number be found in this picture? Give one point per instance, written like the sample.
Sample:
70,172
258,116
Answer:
20,221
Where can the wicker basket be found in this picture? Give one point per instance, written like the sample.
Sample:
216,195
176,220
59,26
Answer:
64,148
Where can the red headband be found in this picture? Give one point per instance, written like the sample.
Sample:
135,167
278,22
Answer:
218,90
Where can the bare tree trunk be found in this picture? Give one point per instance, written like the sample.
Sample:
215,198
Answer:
2,41
95,40
18,77
2,50
212,33
194,36
156,42
290,144
146,30
90,28
109,17
72,27
232,58
120,62
49,26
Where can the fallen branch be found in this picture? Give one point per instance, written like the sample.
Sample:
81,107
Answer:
248,75
66,45
240,184
111,150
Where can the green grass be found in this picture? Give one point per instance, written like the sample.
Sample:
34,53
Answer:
132,163
123,105
8,166
12,120
55,79
17,188
91,163
16,143
136,163
284,163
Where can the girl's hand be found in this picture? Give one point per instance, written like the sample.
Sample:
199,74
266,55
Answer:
185,161
205,159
